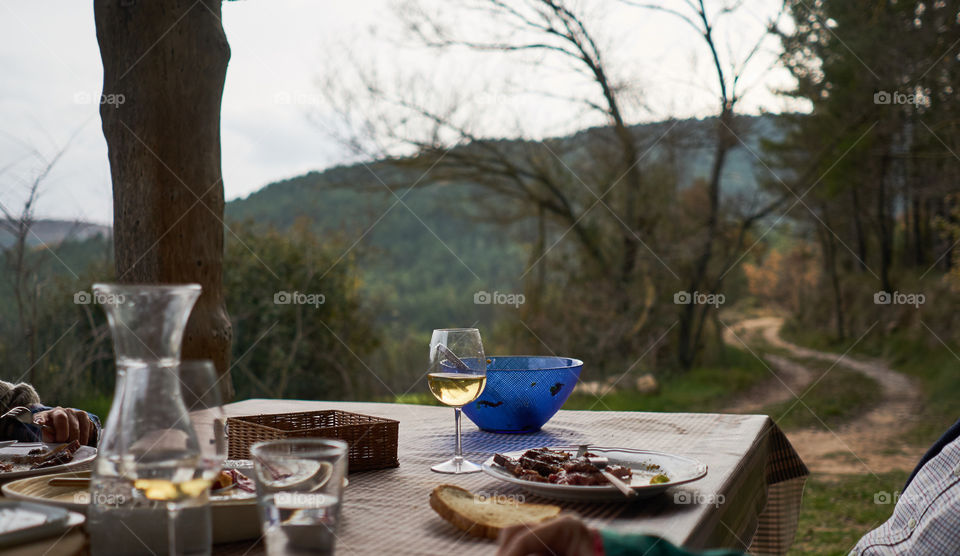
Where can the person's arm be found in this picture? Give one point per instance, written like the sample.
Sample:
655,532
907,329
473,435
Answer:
66,424
568,536
634,544
559,537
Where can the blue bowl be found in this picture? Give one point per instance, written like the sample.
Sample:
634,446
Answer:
523,392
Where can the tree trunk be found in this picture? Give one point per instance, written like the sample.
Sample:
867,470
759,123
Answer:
828,245
691,327
829,249
858,229
686,351
537,254
885,225
168,60
919,251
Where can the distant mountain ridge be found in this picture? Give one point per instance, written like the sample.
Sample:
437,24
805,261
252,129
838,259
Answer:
697,146
52,232
739,176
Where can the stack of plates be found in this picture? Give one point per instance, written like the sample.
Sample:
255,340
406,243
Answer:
234,513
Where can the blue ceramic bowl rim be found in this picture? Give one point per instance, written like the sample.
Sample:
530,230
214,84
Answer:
573,363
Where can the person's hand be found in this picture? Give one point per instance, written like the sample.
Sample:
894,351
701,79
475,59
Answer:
565,535
64,424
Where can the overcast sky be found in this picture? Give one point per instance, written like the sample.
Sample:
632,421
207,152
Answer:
50,68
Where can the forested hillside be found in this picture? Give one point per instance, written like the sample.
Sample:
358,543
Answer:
395,250
410,231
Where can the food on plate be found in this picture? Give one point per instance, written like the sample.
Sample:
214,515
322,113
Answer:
486,516
543,465
58,456
230,477
659,479
39,459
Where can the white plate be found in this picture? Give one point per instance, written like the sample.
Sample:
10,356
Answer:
83,455
54,521
234,514
644,463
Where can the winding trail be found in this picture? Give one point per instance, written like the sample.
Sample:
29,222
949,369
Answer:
872,443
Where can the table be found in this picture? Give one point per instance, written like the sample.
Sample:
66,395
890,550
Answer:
750,497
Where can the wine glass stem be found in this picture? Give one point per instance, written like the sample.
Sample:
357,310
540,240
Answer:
172,512
458,456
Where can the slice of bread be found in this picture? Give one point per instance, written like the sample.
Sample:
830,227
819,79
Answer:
483,516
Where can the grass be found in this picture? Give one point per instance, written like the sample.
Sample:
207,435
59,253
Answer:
836,513
927,360
701,389
937,370
839,396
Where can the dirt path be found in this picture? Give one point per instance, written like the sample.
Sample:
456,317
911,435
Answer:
871,443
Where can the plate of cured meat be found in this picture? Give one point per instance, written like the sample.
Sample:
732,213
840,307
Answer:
26,459
558,472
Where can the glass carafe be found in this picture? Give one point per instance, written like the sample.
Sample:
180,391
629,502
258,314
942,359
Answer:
148,433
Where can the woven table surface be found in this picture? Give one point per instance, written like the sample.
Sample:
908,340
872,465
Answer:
751,494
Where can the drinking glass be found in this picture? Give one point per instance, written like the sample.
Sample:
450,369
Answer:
299,489
180,462
456,375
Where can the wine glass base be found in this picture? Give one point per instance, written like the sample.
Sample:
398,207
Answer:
456,466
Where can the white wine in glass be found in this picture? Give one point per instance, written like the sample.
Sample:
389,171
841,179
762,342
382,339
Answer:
456,389
457,375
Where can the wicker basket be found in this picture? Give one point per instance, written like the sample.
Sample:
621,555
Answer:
372,440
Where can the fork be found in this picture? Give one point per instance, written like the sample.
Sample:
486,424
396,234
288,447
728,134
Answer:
601,463
24,415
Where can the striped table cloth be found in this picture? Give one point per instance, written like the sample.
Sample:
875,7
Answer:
750,499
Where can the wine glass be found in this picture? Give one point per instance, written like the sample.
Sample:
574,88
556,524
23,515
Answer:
456,375
183,459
